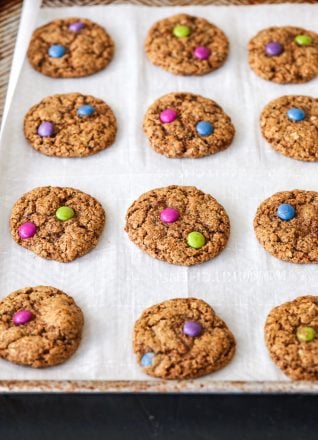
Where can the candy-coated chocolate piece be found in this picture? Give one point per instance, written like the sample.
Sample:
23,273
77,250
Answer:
192,328
296,114
27,230
196,240
64,213
286,211
76,26
181,31
146,360
46,129
202,52
169,215
204,128
168,115
22,317
273,49
306,334
303,40
56,51
85,110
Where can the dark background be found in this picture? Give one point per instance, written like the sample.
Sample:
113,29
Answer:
139,417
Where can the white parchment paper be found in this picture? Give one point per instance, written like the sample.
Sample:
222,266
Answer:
116,281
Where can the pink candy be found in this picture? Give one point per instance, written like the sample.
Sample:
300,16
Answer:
169,215
27,230
168,115
22,317
202,53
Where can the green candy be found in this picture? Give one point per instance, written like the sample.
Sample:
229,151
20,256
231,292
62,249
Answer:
181,31
306,334
196,240
303,40
64,213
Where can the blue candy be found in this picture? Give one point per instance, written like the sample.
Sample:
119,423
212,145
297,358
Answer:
56,51
85,110
286,211
146,360
296,114
204,128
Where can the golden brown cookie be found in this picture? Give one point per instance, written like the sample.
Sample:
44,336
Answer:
178,224
286,225
187,125
284,54
182,338
70,48
70,125
290,125
39,327
56,223
186,45
291,337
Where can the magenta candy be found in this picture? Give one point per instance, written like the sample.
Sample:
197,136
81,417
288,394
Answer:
22,317
27,230
202,53
45,129
76,26
192,328
169,215
168,115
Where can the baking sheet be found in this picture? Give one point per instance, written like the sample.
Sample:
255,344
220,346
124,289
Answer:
116,281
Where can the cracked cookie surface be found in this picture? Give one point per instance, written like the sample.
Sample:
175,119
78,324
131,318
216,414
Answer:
74,135
295,240
298,359
198,211
54,239
296,64
180,138
295,139
50,337
88,50
177,55
176,355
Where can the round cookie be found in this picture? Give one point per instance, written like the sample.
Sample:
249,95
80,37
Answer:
56,223
187,125
286,225
290,336
178,224
70,48
284,54
39,327
182,338
290,125
70,125
186,45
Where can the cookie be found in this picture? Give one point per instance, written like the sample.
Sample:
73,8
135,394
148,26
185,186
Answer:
70,125
186,45
284,54
182,338
178,224
70,48
291,337
187,125
290,125
39,327
286,225
56,223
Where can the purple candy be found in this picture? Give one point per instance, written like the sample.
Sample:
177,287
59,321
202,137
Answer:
27,230
22,317
202,53
168,115
273,49
45,129
169,215
192,328
76,26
